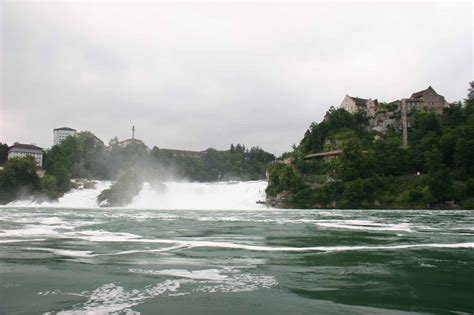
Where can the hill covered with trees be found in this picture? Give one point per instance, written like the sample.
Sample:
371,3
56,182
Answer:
373,170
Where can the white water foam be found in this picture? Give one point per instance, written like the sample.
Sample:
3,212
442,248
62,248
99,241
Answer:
112,297
31,230
226,279
76,198
104,236
364,225
199,196
206,274
233,195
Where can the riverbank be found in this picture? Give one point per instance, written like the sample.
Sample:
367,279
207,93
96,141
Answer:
401,192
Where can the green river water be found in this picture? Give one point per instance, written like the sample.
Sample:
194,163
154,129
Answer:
138,261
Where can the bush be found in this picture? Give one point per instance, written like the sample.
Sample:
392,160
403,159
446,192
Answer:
283,178
18,178
49,186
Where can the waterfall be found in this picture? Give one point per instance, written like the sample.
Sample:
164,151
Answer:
174,195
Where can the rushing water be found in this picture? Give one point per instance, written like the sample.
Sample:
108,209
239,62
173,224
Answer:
176,195
75,260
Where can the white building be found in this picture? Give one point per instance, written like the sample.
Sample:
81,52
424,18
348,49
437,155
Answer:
62,133
356,104
19,150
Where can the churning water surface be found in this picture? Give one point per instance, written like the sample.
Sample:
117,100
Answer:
239,258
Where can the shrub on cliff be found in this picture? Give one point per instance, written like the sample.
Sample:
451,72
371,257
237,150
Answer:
283,178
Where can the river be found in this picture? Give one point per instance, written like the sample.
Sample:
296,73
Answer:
209,249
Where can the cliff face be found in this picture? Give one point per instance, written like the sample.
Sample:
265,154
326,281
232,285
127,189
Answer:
278,201
385,119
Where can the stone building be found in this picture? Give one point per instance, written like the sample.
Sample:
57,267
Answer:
62,133
356,104
397,114
425,100
19,150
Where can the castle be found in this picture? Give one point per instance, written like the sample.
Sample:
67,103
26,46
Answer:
396,114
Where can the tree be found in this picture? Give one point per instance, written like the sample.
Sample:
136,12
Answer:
425,123
121,193
283,178
440,185
391,159
464,157
3,152
49,186
470,96
358,193
453,116
19,178
63,179
354,163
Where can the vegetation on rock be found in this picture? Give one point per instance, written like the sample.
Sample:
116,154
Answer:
121,193
374,171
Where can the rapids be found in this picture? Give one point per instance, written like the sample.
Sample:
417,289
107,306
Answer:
148,261
208,248
176,195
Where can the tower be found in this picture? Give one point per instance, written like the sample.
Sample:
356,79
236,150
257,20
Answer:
133,132
403,112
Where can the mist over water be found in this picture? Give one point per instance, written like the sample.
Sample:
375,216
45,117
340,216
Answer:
218,196
231,195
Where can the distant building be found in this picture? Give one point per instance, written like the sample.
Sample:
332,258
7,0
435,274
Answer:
128,142
183,153
356,104
132,140
19,150
62,133
98,140
426,100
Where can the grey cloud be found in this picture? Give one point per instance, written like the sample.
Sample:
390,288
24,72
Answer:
194,75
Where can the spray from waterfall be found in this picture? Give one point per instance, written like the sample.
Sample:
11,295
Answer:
230,195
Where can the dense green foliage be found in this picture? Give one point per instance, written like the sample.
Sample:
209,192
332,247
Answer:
18,178
236,163
121,193
82,156
283,178
85,156
336,122
375,171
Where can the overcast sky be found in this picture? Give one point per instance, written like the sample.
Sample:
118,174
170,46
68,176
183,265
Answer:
195,75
